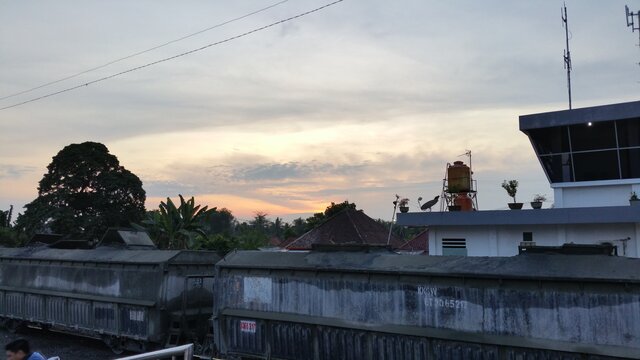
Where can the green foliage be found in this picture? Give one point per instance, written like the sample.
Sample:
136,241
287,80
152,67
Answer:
403,233
634,196
217,242
11,238
539,198
85,191
5,217
189,226
511,187
218,222
251,240
247,240
176,227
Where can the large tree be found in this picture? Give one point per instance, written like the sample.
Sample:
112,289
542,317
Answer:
84,192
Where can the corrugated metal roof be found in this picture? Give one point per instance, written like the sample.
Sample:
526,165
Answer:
586,215
537,267
110,255
347,227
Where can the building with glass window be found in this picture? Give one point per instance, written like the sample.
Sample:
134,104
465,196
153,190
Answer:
591,157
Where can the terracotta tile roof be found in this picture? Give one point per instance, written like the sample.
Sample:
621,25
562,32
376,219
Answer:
419,242
347,227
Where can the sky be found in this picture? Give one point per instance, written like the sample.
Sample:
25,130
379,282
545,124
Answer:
360,101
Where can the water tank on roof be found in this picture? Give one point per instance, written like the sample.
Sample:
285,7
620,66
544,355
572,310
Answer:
459,178
464,202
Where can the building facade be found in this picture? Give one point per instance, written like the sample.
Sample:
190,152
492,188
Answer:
591,157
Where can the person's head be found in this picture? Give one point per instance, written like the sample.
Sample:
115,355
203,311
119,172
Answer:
17,350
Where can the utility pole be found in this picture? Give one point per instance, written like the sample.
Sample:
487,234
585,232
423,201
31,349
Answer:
393,217
567,53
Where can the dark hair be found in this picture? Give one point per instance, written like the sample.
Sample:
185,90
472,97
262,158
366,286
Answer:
17,345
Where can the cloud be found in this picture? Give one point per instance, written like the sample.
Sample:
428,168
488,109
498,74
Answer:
361,100
12,171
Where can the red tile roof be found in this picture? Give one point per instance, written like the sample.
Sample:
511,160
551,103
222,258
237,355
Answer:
347,227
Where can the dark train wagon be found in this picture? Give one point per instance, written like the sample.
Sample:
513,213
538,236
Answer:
381,305
131,299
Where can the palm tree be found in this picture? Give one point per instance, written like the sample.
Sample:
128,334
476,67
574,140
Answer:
179,226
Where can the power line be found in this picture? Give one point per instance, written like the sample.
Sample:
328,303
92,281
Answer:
172,57
143,51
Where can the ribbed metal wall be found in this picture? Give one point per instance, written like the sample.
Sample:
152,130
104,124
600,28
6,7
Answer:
284,340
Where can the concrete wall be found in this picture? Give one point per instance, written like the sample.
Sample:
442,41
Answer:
504,240
595,193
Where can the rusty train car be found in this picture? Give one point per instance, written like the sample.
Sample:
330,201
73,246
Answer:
123,291
381,305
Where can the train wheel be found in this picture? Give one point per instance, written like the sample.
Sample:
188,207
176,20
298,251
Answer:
114,344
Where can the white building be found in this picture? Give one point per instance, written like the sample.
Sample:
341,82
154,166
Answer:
591,157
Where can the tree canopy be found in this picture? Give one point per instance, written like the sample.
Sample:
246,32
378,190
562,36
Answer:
84,192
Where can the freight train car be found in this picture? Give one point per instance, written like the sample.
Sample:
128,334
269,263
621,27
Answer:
382,305
123,292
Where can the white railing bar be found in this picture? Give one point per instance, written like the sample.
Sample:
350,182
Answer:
185,351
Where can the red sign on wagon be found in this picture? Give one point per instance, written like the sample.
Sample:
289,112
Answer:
248,326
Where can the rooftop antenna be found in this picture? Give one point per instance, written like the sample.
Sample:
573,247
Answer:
467,153
631,21
567,53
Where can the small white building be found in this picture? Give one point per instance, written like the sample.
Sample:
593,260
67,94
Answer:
591,157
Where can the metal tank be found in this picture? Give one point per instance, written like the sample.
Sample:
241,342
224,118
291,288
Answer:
459,178
131,298
382,305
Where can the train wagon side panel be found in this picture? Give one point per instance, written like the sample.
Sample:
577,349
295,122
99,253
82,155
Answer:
600,318
128,298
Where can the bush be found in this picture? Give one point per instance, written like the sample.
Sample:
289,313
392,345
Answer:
11,238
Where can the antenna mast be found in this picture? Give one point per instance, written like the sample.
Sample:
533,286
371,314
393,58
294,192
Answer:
567,53
631,22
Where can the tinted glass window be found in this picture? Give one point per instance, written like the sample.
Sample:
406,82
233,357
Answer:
558,167
599,165
550,140
629,133
630,163
600,135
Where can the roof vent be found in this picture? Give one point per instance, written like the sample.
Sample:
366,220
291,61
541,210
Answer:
127,238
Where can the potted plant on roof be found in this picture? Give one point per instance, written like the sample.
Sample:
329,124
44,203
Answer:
537,201
633,200
511,187
403,204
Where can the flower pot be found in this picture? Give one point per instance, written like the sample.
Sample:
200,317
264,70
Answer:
404,209
455,208
515,206
536,204
634,202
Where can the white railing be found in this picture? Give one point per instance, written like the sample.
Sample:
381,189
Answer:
179,352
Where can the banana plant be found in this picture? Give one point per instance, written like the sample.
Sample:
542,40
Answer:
177,227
